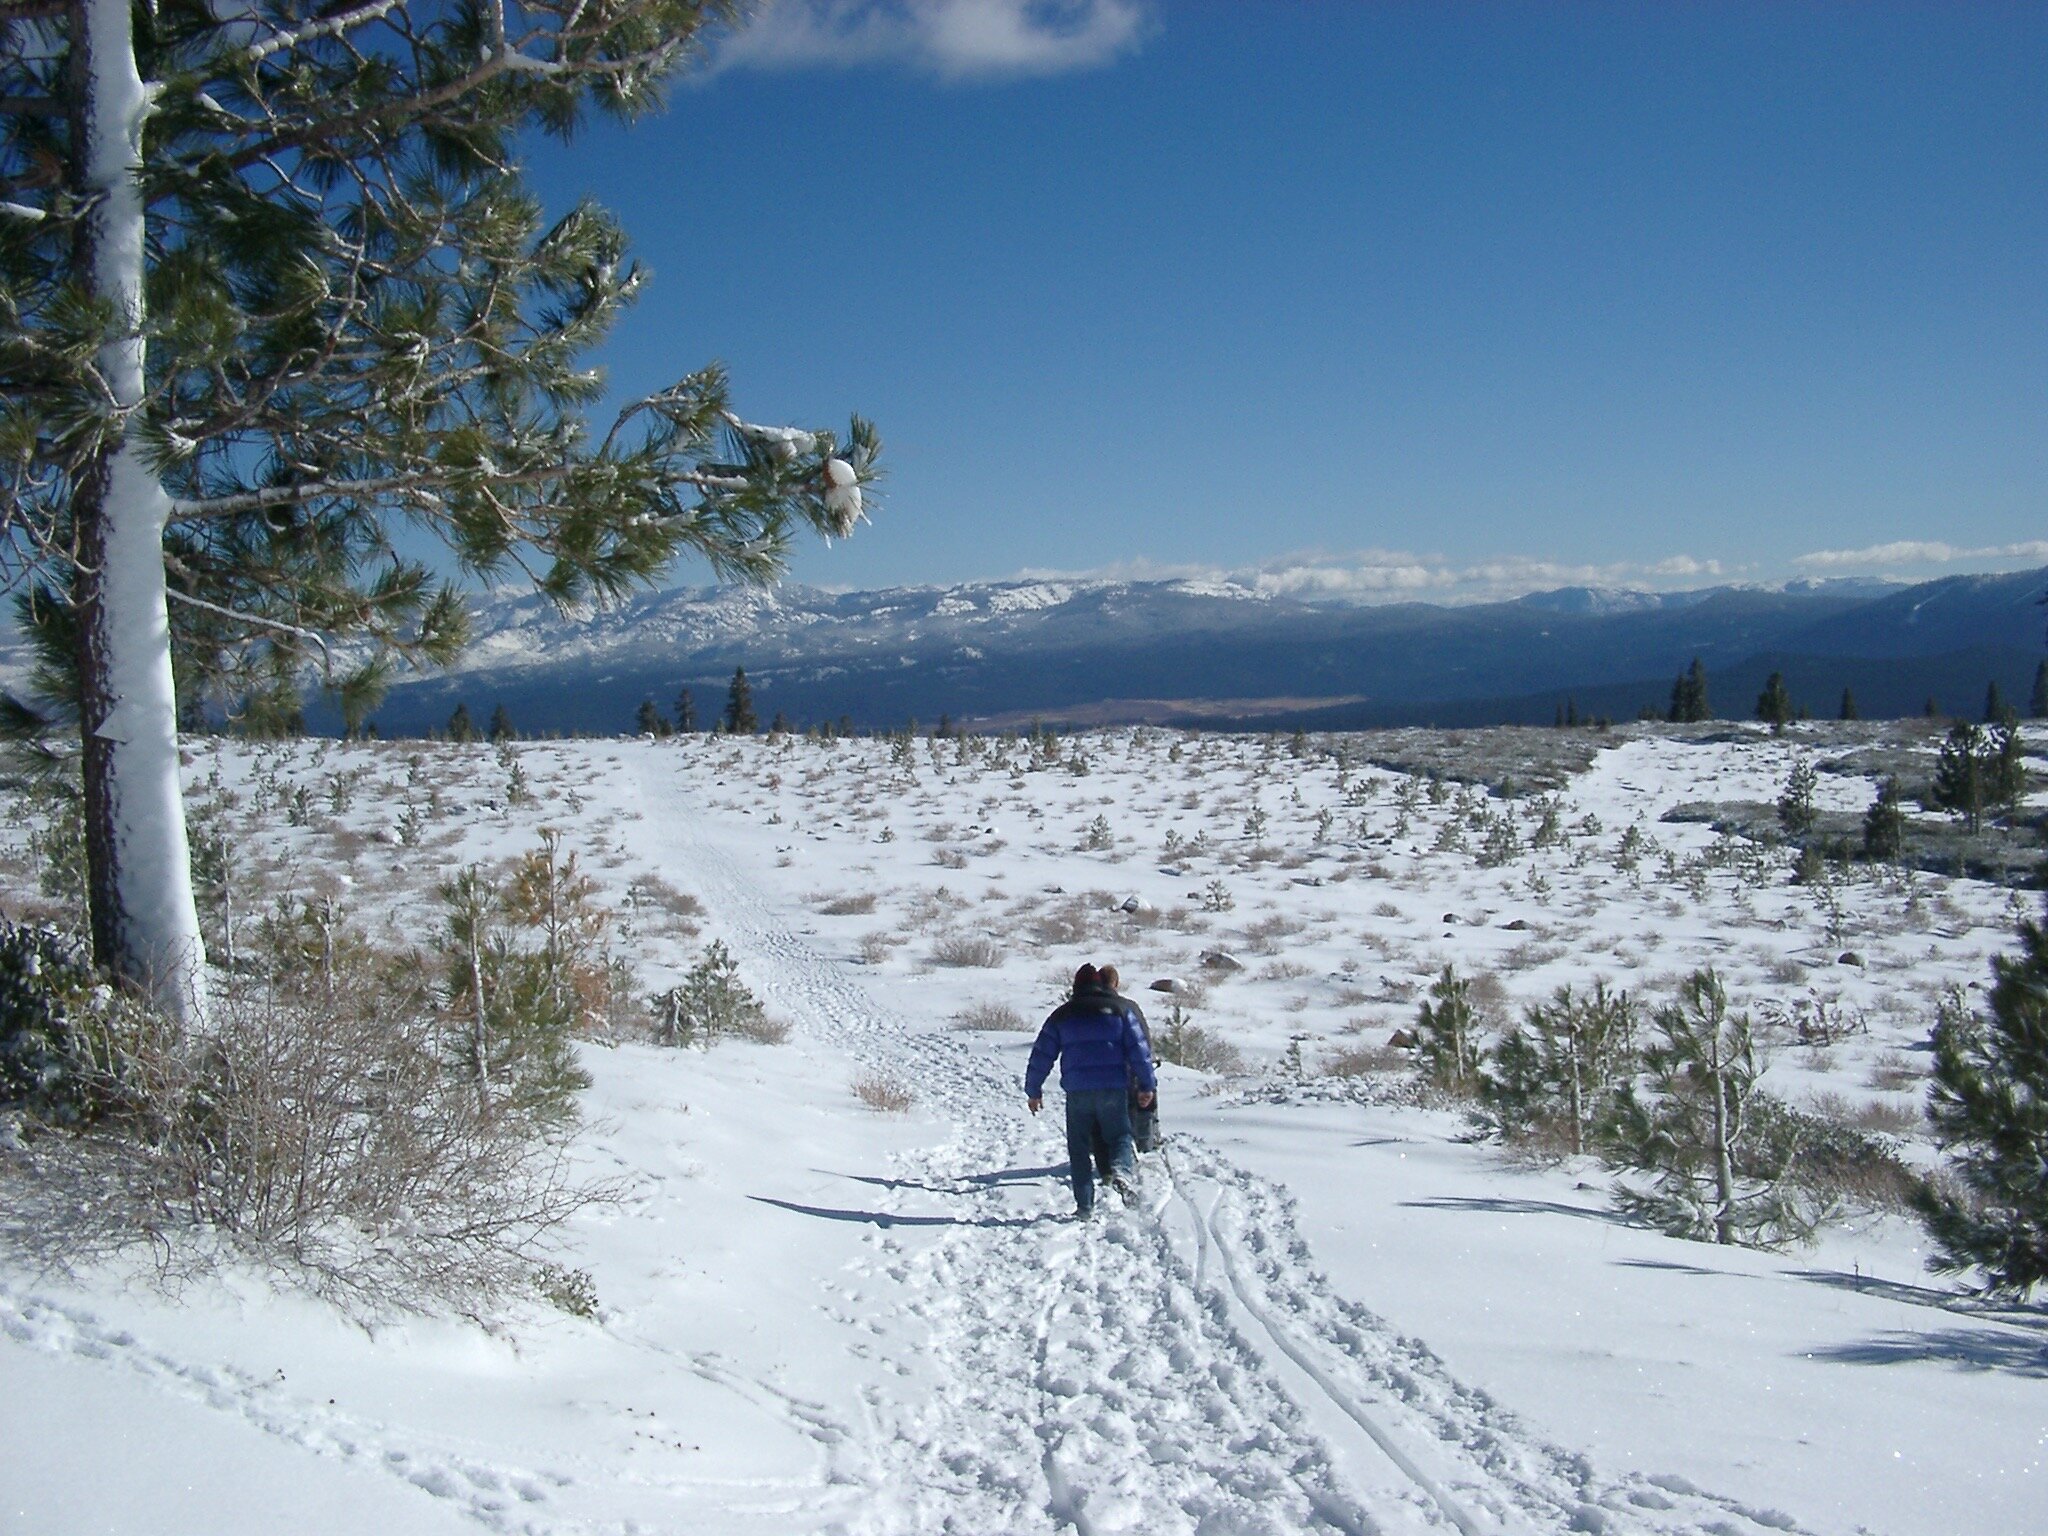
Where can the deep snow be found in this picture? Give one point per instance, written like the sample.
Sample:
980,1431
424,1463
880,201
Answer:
1333,1310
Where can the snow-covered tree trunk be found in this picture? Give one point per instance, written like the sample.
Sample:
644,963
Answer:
1574,1029
1724,1150
145,923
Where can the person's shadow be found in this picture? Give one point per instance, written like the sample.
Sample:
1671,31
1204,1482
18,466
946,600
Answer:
888,1219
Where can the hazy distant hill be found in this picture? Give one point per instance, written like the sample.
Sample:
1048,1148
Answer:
1168,650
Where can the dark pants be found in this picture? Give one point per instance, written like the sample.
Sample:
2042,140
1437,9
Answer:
1144,1135
1098,1115
1145,1127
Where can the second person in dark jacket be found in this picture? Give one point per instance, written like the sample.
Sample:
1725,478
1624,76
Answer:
1103,1056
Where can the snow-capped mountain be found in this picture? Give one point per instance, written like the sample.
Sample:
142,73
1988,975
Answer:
1102,650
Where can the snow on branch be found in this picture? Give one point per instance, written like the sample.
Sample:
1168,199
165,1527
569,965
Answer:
326,655
330,26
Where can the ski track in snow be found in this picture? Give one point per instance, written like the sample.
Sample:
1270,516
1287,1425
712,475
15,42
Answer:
1181,1368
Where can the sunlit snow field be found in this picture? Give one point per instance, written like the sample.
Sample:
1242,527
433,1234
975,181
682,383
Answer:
1337,1305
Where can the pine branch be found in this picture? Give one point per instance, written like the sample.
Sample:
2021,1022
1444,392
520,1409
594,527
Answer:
326,656
331,26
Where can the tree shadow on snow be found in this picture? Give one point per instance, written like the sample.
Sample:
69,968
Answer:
2012,1314
887,1219
1499,1205
1973,1349
1676,1268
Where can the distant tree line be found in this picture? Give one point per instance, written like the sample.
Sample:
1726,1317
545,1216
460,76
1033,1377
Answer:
1776,707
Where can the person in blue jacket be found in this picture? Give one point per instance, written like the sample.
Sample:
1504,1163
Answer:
1103,1056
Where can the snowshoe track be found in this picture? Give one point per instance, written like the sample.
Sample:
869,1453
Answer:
1185,1369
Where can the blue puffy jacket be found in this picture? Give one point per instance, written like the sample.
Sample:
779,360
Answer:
1098,1044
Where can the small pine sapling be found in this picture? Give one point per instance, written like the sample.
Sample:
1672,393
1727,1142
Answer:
1447,1034
1796,812
508,1024
709,1003
1692,1133
1558,1072
1884,824
1989,1109
1959,774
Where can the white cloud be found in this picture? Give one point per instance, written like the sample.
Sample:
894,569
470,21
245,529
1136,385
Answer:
1919,552
1383,576
953,39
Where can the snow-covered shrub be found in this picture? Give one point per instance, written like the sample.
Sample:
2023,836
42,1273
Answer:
1363,1061
59,848
884,1095
990,1016
967,950
1185,1043
854,904
63,1032
315,1126
1830,1161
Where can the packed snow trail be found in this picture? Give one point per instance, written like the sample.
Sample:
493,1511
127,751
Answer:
1184,1369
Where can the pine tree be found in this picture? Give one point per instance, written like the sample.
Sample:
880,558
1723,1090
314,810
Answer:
1795,805
2005,767
2037,701
1560,1069
686,711
1994,703
1694,1133
501,727
1884,824
274,286
1960,774
460,727
509,1021
1849,711
1447,1034
1689,696
1989,1108
1774,704
649,720
739,706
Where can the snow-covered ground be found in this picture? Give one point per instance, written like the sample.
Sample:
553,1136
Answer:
1333,1309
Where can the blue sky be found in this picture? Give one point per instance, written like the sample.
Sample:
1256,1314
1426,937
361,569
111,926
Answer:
1434,300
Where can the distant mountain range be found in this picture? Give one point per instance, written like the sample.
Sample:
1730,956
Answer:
998,653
